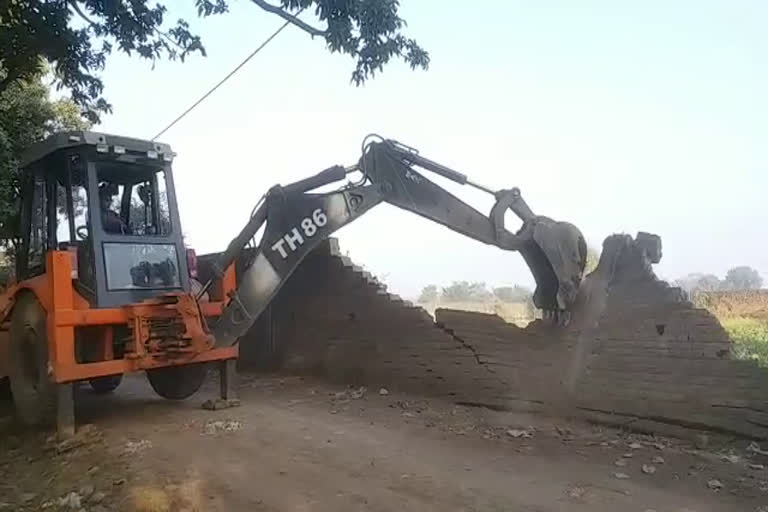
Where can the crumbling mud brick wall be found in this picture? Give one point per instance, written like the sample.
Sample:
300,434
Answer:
333,319
653,357
530,361
636,352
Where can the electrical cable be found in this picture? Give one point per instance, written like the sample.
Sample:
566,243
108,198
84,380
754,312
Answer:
221,82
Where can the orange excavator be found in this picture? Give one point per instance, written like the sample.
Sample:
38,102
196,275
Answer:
104,285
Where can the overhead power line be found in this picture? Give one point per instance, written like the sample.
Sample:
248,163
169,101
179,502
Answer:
221,82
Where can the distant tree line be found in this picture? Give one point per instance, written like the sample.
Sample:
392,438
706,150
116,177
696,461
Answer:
465,291
738,278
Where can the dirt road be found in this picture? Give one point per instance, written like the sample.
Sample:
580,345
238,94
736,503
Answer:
298,445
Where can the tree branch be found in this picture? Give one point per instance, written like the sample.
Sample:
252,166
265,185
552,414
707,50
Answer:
306,27
168,38
76,8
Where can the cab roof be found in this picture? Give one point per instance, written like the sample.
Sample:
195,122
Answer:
71,139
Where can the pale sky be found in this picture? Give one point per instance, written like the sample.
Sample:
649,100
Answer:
615,116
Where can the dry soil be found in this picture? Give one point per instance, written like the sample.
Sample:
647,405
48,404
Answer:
302,445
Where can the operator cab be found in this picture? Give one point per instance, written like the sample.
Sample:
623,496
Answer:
110,201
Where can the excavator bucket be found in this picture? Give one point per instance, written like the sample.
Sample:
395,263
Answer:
556,253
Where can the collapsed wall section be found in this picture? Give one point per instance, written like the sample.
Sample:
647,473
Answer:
334,320
528,360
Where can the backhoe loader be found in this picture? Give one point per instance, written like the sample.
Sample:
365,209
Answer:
104,284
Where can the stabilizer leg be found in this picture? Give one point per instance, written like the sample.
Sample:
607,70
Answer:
227,387
65,410
228,379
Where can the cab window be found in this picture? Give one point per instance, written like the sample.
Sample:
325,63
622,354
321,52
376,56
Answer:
134,203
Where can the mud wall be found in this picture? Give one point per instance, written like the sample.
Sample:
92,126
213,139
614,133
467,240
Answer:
748,303
527,363
519,313
334,320
654,357
636,353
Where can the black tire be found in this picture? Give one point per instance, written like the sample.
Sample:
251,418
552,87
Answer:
34,395
177,382
5,389
102,385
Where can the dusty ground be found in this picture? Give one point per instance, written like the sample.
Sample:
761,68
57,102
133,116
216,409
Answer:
297,445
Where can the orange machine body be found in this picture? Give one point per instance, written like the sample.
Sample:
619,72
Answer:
148,345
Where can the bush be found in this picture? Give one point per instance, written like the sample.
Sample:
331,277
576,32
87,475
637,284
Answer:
429,294
514,293
750,338
464,291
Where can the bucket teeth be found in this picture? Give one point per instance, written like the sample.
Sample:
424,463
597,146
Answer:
559,318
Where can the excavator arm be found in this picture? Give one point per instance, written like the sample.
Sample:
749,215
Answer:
296,220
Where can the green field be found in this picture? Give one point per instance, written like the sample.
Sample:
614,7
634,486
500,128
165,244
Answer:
750,338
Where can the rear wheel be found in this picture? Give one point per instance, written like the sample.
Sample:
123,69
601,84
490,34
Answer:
34,395
177,382
5,389
101,385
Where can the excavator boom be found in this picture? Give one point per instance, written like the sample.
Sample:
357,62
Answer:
296,220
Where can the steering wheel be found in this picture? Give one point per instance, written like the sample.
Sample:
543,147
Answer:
82,232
